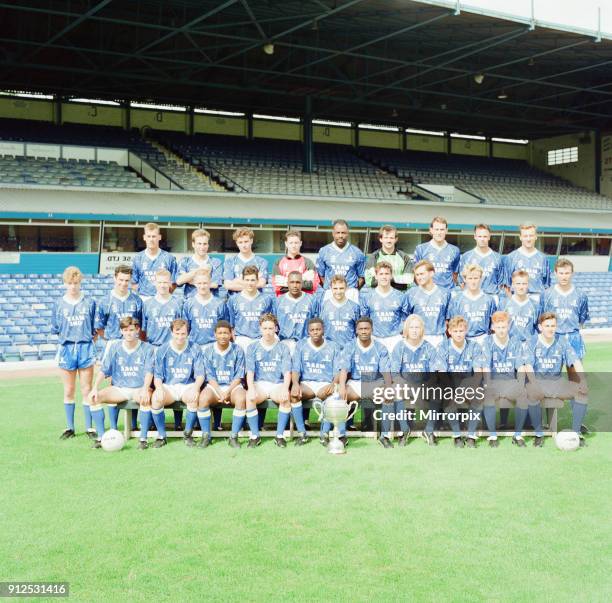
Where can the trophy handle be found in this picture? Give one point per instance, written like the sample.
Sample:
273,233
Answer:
318,406
355,405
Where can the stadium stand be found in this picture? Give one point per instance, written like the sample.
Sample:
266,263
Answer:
495,181
18,341
275,166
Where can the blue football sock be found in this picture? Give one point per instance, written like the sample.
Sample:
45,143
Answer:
298,416
261,417
134,418
192,419
217,413
399,407
489,415
520,414
341,429
579,411
325,427
145,423
159,418
454,425
237,421
204,419
69,411
97,413
178,419
535,414
88,417
113,415
430,425
283,421
472,423
385,422
252,417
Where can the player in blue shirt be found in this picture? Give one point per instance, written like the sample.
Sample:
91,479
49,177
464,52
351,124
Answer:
188,267
159,311
225,370
315,372
528,258
523,310
119,303
473,304
245,308
268,374
341,258
73,321
386,306
178,376
443,256
339,314
570,306
293,310
412,361
504,379
461,360
545,356
234,265
364,361
490,261
203,310
128,363
430,302
149,261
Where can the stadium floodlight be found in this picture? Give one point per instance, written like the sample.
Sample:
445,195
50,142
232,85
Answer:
479,78
268,48
502,95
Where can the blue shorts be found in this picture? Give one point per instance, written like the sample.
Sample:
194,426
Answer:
577,343
73,356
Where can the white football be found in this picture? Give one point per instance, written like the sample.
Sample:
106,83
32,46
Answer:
112,441
567,440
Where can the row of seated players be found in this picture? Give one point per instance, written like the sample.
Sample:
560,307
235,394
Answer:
514,371
312,369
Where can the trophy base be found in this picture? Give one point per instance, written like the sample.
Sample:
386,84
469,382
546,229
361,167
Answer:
335,446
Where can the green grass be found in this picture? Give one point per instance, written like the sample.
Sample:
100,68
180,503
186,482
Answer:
299,524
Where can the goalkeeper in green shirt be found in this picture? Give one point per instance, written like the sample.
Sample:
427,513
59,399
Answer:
402,264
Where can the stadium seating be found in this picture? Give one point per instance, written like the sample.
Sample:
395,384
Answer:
493,180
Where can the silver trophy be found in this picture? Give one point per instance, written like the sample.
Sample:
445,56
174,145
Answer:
335,410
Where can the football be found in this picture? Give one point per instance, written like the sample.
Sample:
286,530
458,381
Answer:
112,441
567,440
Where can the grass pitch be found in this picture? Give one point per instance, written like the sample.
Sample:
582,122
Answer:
298,524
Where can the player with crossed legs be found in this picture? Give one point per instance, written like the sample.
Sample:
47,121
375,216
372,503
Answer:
224,367
268,373
178,376
128,363
545,356
73,321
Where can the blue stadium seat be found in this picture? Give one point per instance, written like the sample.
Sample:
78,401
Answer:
21,339
14,330
38,338
28,352
31,330
11,353
5,340
47,351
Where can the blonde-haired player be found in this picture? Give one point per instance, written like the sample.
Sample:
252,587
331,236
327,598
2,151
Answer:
73,321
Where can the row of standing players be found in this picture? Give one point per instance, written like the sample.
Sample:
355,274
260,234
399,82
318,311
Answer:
339,265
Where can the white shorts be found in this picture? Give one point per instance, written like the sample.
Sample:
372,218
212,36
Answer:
268,389
244,342
315,386
355,386
130,393
177,390
509,389
479,339
352,294
389,342
222,389
435,340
